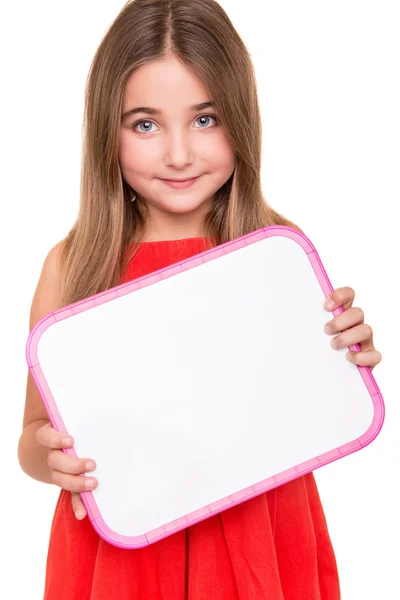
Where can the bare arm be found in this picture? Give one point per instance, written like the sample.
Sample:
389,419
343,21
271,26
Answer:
32,456
40,447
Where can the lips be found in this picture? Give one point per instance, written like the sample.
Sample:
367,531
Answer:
180,180
180,183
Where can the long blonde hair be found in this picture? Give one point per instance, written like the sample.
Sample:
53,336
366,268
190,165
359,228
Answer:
199,33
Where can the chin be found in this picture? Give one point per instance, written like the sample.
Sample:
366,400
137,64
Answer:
181,205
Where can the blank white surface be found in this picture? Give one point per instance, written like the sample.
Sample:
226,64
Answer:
203,384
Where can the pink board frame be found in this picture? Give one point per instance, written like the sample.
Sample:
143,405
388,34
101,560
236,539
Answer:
245,494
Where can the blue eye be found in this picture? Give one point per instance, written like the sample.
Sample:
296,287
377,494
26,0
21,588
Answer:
140,122
207,117
151,122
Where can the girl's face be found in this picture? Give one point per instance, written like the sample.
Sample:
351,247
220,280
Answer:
177,142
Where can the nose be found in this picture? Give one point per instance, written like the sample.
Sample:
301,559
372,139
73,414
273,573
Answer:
178,151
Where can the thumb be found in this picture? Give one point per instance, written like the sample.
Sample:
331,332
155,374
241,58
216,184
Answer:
78,506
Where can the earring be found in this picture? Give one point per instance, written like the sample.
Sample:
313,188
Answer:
134,197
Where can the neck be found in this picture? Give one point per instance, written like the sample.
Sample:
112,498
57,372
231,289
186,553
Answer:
163,225
156,232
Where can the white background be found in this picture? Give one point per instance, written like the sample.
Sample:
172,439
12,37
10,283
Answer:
328,79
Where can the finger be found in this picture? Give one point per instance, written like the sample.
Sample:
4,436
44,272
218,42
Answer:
61,461
51,438
343,297
349,318
352,336
365,359
78,506
74,483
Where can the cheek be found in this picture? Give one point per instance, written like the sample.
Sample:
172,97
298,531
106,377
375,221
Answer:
134,157
221,155
224,163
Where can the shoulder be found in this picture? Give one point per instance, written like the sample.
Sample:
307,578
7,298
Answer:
52,262
47,295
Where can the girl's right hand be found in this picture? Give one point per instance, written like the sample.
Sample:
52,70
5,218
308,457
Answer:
66,470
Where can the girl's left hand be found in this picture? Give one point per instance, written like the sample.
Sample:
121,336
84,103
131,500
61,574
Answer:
351,328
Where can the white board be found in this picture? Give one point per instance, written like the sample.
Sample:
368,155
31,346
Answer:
203,384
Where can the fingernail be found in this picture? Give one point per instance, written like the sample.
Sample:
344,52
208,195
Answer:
330,304
67,442
328,328
90,483
89,466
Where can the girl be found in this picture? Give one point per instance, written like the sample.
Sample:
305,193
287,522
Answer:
171,95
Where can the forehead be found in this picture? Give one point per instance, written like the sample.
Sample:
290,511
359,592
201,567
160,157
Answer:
164,84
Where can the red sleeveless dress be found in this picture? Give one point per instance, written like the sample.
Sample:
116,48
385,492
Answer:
275,546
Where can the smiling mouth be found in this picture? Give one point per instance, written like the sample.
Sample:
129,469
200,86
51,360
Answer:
180,184
181,180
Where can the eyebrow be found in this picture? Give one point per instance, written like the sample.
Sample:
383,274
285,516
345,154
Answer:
157,111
